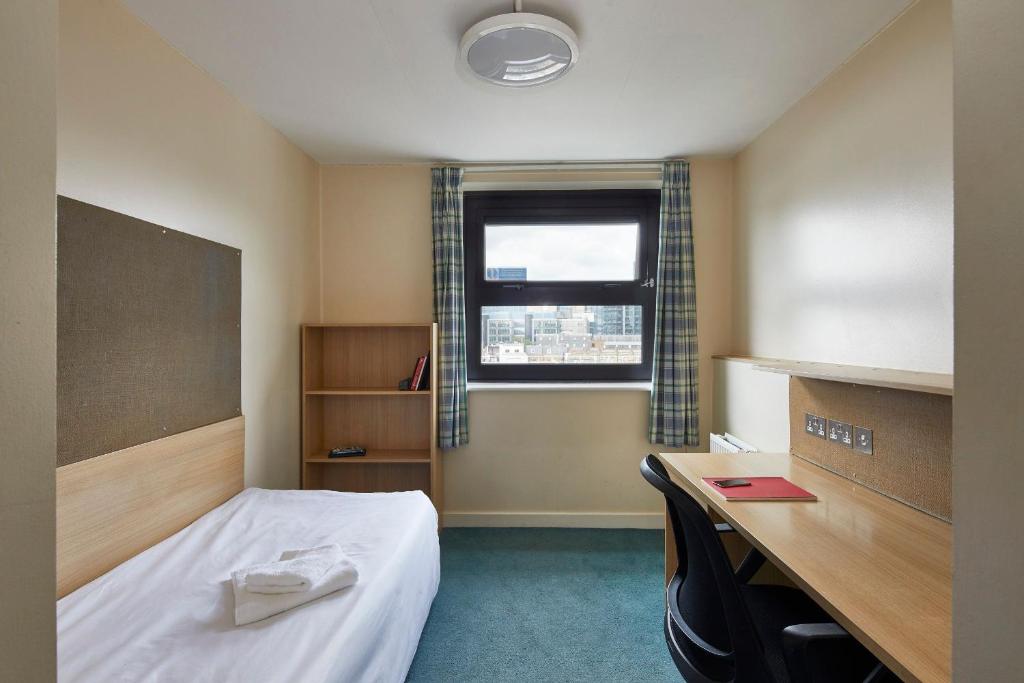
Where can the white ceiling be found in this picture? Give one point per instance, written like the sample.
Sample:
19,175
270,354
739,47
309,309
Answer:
362,81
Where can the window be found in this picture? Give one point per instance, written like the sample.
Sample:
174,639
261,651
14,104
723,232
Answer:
560,285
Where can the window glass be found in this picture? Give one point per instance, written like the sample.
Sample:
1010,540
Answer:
580,252
561,335
560,284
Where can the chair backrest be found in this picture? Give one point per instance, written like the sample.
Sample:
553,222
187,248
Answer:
712,627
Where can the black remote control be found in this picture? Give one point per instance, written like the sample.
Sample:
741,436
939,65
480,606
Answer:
346,452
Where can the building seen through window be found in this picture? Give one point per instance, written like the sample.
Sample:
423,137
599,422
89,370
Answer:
561,334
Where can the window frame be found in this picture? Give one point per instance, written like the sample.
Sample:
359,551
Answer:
509,207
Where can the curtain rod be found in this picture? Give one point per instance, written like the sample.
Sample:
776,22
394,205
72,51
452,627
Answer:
562,166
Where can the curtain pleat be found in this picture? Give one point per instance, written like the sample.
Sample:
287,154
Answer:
674,414
449,306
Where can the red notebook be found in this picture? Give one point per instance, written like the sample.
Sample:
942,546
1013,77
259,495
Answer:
761,488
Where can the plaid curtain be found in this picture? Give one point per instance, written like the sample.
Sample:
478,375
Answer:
449,306
674,418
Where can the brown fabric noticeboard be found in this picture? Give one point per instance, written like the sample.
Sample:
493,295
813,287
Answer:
912,433
148,331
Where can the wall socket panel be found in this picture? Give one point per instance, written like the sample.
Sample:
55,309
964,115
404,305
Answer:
815,426
840,433
863,440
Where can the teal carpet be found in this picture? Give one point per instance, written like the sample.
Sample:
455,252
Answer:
547,605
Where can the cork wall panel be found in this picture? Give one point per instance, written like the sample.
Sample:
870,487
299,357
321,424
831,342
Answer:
912,459
148,331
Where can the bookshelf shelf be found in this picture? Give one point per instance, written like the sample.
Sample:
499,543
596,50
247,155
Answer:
396,457
350,397
368,391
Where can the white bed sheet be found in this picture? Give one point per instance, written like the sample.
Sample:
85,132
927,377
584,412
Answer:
167,614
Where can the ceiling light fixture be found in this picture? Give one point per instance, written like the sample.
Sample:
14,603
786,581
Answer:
520,49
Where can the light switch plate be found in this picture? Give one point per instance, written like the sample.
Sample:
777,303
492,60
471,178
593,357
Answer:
814,425
840,433
863,440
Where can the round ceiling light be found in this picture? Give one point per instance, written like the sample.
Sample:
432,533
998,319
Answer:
519,50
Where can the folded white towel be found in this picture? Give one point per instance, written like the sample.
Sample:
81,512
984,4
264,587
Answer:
295,572
250,607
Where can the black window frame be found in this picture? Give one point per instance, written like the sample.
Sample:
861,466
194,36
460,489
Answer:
560,206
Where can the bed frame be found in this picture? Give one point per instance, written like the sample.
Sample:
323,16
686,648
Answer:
112,507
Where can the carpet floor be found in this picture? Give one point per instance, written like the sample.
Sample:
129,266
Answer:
546,605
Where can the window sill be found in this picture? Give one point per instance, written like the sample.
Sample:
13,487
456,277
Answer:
558,386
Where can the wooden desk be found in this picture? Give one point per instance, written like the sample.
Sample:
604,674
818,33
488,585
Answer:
881,569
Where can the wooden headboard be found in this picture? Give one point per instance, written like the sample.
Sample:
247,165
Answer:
114,506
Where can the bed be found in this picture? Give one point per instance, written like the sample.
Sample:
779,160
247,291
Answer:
166,614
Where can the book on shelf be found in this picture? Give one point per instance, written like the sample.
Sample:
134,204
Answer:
420,376
424,381
417,374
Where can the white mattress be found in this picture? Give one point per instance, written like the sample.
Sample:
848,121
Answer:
167,614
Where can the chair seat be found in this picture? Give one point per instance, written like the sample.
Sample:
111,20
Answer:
772,609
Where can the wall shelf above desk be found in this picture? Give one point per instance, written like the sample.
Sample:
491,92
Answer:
906,380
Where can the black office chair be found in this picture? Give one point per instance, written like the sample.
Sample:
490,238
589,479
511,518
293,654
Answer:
721,629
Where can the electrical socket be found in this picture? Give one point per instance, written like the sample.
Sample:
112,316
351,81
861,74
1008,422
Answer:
840,433
863,440
814,425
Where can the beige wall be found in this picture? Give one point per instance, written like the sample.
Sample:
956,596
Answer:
555,457
988,429
375,247
143,131
844,211
28,329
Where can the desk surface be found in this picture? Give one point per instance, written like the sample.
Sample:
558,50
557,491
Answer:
883,570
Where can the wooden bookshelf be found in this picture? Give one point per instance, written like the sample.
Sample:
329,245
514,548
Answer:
350,397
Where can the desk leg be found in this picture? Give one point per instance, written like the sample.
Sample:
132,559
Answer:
736,548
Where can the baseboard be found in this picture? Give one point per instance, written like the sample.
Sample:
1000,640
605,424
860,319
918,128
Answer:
574,520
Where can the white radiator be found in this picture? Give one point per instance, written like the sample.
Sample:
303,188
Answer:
727,443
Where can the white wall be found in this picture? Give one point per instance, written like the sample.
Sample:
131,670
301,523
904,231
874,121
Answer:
143,131
844,211
988,409
28,330
752,405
